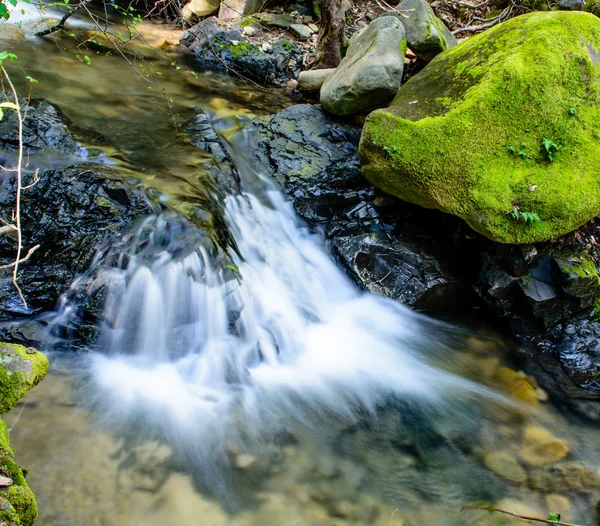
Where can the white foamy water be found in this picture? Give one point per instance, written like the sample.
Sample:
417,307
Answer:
201,354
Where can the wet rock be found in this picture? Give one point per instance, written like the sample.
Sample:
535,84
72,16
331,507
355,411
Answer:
505,465
543,299
426,34
545,451
210,47
5,482
560,504
536,434
517,385
10,34
43,129
389,267
314,157
244,462
571,476
370,74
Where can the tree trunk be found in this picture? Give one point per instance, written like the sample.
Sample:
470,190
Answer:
331,35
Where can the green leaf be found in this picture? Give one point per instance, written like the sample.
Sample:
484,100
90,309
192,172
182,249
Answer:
1,114
233,267
4,11
31,79
13,2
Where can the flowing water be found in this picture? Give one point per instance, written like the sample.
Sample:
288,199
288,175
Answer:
259,387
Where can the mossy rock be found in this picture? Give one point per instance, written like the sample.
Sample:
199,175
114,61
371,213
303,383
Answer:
17,502
20,369
502,130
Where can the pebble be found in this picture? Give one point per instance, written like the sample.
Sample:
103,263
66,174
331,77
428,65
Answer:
5,482
506,466
244,461
292,84
249,31
536,434
545,452
560,504
267,48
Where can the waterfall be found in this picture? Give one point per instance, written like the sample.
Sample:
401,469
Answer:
200,352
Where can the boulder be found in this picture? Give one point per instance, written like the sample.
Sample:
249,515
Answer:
301,31
199,8
370,74
426,34
500,130
281,20
238,8
544,452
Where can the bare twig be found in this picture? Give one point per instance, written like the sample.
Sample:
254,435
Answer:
17,212
392,517
15,263
61,22
522,517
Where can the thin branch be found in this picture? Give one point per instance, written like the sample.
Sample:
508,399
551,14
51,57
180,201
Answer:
19,185
61,22
522,517
15,263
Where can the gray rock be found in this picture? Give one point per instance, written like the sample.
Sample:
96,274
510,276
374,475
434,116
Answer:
301,31
544,301
238,8
282,20
313,79
572,5
370,74
426,34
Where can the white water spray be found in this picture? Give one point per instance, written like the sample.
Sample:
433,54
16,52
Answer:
201,355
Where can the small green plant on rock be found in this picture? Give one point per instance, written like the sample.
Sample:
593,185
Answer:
549,148
525,217
390,151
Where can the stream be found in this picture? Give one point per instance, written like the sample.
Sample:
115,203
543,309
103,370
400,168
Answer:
271,390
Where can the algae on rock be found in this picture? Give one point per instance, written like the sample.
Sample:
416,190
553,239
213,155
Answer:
20,370
503,130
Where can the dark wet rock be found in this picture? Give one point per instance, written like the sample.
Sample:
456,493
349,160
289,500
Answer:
387,249
210,47
68,213
43,129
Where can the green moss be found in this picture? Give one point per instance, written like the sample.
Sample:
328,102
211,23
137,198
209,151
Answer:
22,508
512,84
593,6
287,45
249,21
403,47
19,372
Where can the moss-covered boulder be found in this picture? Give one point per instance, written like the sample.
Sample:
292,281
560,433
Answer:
503,130
20,369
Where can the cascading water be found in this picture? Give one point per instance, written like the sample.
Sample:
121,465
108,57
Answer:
201,353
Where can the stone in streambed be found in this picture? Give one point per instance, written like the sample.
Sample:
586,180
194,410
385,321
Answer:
230,9
370,74
313,79
505,465
546,451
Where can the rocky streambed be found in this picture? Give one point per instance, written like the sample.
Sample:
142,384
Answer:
532,457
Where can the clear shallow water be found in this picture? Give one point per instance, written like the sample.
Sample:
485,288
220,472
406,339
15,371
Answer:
320,406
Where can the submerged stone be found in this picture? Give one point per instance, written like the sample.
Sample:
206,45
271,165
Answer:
511,109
